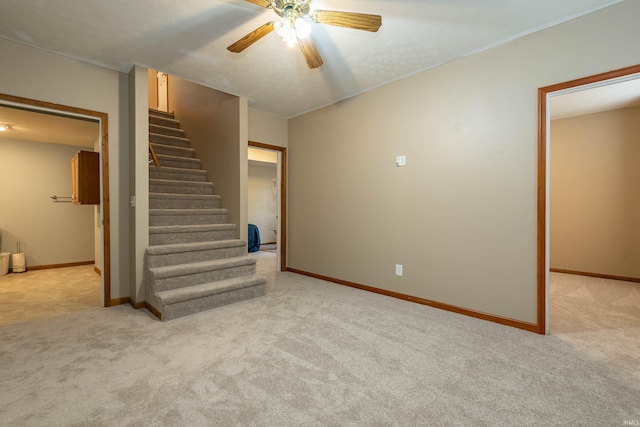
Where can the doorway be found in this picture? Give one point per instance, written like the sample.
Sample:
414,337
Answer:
543,214
281,229
104,209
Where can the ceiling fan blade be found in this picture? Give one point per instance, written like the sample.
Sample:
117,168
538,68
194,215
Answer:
263,3
251,38
358,21
314,60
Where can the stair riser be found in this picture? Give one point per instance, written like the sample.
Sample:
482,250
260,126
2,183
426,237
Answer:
181,175
158,113
172,150
201,236
160,220
169,140
178,282
195,256
186,308
164,121
182,188
184,203
166,131
178,162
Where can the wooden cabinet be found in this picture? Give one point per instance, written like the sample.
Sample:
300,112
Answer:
85,178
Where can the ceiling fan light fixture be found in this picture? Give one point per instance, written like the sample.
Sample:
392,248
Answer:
4,128
291,28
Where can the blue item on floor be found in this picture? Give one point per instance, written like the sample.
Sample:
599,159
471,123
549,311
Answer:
253,238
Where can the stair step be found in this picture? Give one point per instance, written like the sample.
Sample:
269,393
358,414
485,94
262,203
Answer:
183,253
170,234
176,141
177,174
159,217
178,162
175,186
173,150
186,275
186,301
163,130
153,112
164,121
183,201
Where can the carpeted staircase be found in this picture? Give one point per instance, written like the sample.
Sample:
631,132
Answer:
193,262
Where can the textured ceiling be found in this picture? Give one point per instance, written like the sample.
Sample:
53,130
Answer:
188,39
38,126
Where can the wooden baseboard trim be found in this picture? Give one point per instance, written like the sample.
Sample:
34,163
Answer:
68,264
97,270
119,301
153,310
531,327
601,276
268,243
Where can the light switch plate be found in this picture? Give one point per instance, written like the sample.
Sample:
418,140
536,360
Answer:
398,269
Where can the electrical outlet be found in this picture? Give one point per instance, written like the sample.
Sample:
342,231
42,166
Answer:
401,161
398,269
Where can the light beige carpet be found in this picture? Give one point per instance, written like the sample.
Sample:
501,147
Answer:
309,353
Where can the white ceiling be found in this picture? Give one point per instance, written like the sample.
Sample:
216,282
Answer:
613,96
37,126
188,39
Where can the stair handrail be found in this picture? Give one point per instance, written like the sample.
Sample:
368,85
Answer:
156,162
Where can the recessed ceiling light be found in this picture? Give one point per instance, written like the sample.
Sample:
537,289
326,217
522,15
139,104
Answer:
3,128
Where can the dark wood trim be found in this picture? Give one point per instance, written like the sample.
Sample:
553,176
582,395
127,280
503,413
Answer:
268,243
598,275
137,305
153,310
68,264
97,270
448,307
119,301
283,198
542,175
542,213
106,224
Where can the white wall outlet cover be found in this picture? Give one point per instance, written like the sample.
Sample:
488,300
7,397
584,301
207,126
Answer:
401,161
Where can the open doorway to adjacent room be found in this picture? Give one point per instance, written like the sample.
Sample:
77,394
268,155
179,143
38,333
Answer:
589,204
267,199
66,245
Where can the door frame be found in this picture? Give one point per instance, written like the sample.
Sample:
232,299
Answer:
283,198
103,120
544,93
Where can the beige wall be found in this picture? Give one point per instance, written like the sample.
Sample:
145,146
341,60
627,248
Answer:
49,233
595,193
461,216
139,185
52,78
212,121
263,203
267,128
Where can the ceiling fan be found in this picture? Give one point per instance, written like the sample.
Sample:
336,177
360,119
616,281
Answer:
294,29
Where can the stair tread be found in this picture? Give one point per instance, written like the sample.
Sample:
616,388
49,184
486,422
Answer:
175,169
183,196
206,289
195,211
173,147
198,246
179,182
167,136
190,228
199,267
